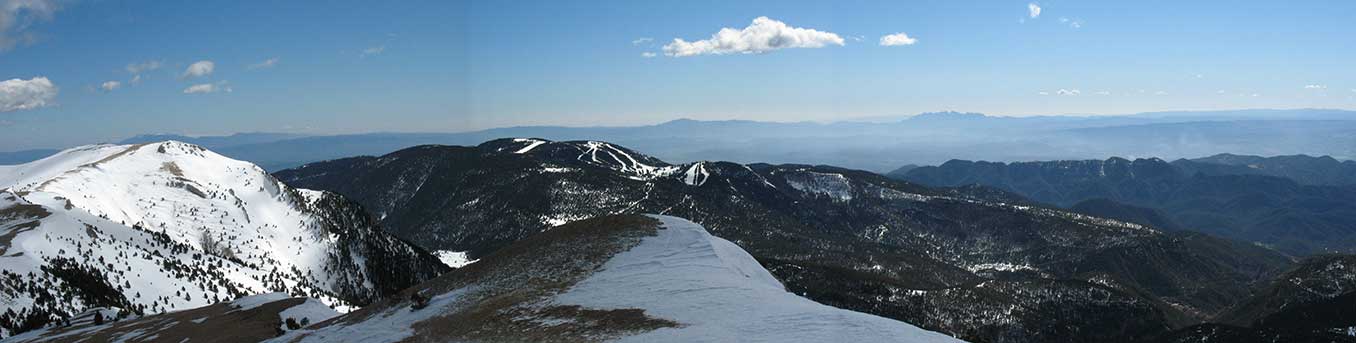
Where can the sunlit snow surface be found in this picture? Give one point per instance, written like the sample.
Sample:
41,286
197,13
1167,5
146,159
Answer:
721,294
454,259
94,195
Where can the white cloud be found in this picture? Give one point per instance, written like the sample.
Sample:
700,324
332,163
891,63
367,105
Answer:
376,50
1077,24
16,16
642,40
1315,87
204,88
763,35
138,68
1160,93
1103,93
648,54
897,39
1033,10
110,86
1068,92
268,63
199,69
18,94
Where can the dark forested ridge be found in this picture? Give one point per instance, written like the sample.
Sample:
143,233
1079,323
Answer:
978,262
1254,205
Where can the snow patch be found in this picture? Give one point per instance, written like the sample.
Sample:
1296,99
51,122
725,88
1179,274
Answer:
1002,267
454,259
532,143
696,174
249,302
313,311
834,186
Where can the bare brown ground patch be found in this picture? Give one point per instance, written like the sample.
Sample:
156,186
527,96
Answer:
28,212
220,323
172,168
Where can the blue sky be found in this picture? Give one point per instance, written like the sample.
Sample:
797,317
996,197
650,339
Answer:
346,67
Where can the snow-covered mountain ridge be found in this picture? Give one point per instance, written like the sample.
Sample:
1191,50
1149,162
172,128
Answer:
165,226
622,278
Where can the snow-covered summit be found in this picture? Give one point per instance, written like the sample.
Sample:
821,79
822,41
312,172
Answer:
172,225
627,278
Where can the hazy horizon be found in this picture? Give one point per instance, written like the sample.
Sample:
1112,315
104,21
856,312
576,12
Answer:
78,71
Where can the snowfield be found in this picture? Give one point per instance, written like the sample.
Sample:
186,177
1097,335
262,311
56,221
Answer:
719,293
167,226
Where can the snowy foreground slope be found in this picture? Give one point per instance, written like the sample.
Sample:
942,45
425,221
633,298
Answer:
165,226
251,318
623,278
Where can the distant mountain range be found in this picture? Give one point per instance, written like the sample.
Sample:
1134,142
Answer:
879,144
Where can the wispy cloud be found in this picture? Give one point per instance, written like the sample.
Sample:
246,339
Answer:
642,40
203,88
897,39
1074,23
199,69
1068,92
376,50
648,54
1315,87
763,35
1033,10
109,86
17,16
138,68
19,94
268,63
